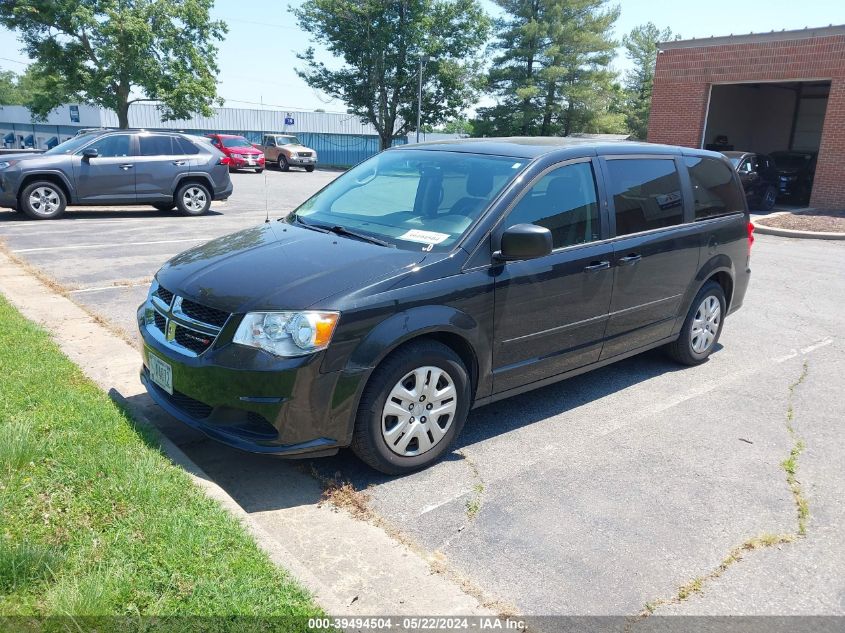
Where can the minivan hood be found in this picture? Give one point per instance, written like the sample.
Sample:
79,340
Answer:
278,266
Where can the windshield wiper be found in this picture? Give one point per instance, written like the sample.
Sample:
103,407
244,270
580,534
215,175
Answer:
314,227
342,230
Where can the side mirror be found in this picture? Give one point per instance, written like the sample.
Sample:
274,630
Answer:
524,241
90,152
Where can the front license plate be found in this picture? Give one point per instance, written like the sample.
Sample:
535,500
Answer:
250,161
161,373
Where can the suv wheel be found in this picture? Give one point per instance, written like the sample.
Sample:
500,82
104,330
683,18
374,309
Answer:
702,326
43,200
412,409
193,199
283,163
309,168
767,202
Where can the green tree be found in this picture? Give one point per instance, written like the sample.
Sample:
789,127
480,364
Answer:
381,43
113,53
641,48
551,72
9,93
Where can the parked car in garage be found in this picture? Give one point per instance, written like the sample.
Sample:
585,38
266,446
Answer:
286,151
434,278
116,167
241,154
796,171
759,178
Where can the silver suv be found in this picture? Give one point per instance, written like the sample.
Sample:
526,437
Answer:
116,167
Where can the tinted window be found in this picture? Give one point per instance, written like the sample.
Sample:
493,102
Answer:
185,146
156,145
110,146
563,201
646,194
714,190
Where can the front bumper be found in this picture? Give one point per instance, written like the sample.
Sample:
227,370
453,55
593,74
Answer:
244,163
247,398
302,161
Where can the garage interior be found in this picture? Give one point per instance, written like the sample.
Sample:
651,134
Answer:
766,117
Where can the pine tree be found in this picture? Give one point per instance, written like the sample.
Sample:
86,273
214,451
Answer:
641,48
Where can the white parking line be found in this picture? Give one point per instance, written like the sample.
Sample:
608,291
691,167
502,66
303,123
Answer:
815,346
112,245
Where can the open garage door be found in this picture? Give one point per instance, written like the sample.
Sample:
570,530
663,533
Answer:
782,119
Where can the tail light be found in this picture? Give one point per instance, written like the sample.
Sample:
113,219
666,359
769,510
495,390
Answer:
750,236
224,160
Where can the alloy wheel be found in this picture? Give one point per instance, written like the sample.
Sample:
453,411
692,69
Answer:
194,199
44,200
419,411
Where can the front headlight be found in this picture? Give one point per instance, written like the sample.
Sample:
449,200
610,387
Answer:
287,334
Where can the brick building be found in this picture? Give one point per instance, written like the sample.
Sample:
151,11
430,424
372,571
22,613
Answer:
758,92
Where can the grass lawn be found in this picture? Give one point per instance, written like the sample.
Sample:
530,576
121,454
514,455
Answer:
95,521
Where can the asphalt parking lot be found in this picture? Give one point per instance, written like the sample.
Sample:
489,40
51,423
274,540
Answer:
598,495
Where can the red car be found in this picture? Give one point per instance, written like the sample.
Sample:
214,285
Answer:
239,152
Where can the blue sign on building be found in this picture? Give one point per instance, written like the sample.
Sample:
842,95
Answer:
289,120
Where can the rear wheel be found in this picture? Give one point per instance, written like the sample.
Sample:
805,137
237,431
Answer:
412,409
42,200
767,202
193,198
283,163
702,326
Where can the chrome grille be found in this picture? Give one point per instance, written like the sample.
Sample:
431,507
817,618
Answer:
187,326
304,154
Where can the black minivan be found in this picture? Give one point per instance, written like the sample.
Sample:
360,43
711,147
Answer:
435,278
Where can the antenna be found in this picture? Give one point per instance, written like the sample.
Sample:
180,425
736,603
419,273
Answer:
266,197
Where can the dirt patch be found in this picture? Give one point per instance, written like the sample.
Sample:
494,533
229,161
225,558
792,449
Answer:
815,220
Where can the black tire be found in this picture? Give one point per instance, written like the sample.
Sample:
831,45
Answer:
768,199
309,168
682,350
283,163
51,204
164,206
258,171
368,441
193,198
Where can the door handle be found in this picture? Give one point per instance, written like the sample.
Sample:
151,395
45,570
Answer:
594,266
126,166
630,259
179,162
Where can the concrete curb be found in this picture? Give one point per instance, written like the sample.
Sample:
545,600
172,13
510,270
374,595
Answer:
351,568
762,229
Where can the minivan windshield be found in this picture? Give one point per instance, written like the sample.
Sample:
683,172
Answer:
412,199
71,145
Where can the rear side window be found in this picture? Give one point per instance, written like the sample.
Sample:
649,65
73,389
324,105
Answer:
714,189
156,145
646,194
185,146
564,201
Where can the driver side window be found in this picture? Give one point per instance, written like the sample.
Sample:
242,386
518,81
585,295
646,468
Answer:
565,202
116,145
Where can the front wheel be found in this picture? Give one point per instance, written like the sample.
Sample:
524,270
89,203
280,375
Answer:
43,200
283,164
258,171
309,168
702,326
193,199
412,409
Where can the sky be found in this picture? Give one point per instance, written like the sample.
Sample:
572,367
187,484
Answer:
258,57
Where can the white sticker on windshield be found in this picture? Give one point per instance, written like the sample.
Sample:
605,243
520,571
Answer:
424,237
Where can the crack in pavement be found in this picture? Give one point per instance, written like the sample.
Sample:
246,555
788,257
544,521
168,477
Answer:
762,541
